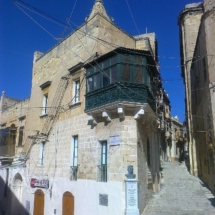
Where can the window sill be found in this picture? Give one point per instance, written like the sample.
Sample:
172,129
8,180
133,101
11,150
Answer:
19,146
43,115
74,104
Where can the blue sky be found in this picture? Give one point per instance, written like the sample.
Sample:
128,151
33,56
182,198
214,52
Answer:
20,37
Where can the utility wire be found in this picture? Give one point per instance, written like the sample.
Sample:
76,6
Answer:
65,29
132,16
60,23
105,41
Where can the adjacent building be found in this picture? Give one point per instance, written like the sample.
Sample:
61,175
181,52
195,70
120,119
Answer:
96,107
197,32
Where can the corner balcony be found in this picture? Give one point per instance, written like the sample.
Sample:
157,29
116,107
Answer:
120,81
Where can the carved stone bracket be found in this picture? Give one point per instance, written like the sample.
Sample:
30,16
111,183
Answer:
106,116
139,113
121,112
92,120
212,85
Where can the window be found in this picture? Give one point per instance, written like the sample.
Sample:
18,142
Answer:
138,59
113,72
114,60
106,79
76,91
97,81
74,157
89,84
126,58
138,75
45,102
105,64
41,158
103,167
20,135
74,151
126,73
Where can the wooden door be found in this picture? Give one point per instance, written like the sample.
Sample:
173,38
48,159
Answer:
39,203
68,204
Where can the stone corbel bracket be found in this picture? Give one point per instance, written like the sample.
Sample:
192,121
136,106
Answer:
121,112
139,113
92,120
212,85
145,119
106,116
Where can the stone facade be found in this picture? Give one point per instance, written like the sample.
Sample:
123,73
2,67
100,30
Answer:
199,79
178,137
72,151
189,22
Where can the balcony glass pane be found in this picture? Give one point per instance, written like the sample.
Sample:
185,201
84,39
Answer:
145,61
89,71
138,60
138,75
126,58
97,81
126,73
98,67
114,60
89,84
113,74
106,78
105,64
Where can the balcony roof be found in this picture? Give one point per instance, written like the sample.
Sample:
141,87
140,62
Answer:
120,50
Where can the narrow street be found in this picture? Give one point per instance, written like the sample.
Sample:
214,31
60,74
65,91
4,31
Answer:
181,193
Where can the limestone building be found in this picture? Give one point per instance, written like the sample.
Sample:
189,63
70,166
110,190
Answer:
178,138
102,108
197,24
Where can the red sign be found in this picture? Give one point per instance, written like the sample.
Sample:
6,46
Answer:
39,183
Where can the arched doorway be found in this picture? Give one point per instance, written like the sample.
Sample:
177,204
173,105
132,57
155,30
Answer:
39,203
17,194
68,204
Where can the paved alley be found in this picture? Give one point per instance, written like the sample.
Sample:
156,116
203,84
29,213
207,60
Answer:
181,193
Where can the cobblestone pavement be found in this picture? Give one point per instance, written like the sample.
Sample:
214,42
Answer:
181,193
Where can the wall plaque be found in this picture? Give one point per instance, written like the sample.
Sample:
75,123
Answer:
132,197
103,199
114,140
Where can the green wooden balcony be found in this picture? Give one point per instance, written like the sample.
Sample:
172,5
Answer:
120,76
119,92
